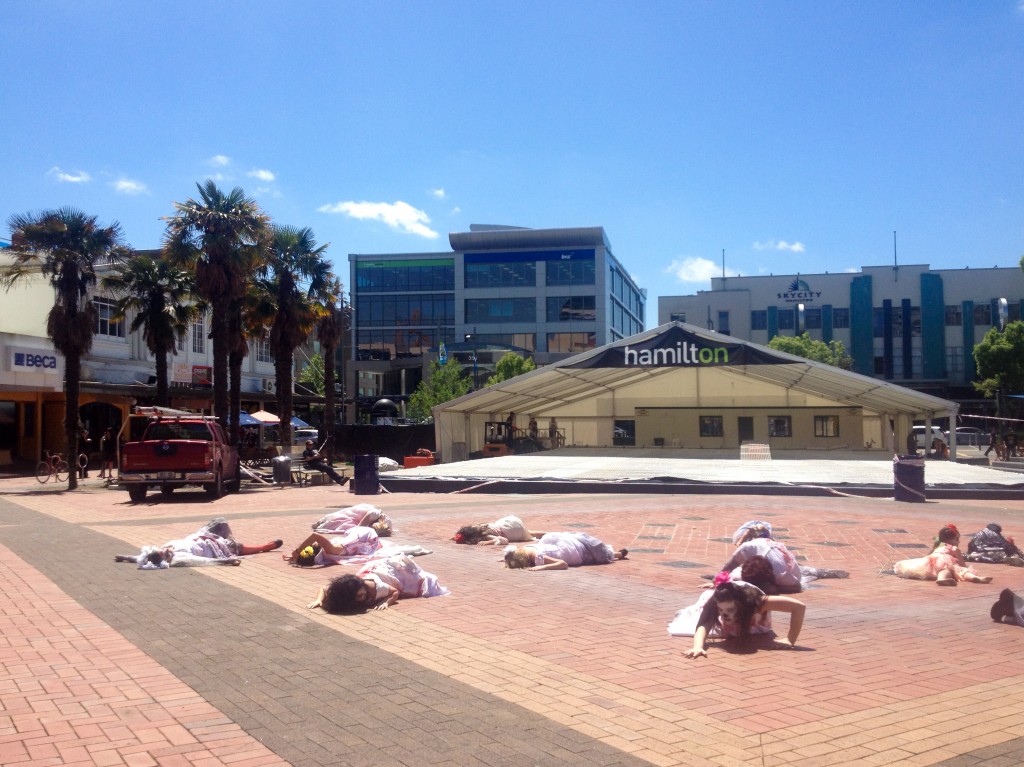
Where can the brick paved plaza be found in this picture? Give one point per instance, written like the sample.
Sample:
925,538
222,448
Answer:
103,664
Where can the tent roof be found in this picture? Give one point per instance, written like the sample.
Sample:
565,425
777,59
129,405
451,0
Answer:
579,377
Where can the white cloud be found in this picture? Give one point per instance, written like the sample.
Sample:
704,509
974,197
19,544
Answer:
792,247
400,216
216,177
696,269
220,161
81,177
262,175
457,210
127,186
438,193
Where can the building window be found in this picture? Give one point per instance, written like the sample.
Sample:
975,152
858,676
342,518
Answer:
573,272
879,365
417,275
954,362
982,314
105,323
568,308
780,426
723,322
481,310
759,319
522,341
571,342
199,335
840,318
1013,311
677,317
812,318
512,274
954,316
181,343
785,317
263,353
711,426
826,426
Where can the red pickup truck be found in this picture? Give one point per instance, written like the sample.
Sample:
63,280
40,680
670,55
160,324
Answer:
179,451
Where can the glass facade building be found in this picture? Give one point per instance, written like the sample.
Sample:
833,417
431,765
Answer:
545,293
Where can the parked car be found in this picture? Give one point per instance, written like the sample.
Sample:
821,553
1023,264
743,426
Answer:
970,435
299,436
924,441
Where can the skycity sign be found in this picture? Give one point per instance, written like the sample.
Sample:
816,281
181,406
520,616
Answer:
678,347
799,292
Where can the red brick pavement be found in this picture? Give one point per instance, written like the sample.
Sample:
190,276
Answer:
888,671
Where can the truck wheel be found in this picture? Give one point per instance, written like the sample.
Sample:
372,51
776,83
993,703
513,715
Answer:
215,489
137,493
166,489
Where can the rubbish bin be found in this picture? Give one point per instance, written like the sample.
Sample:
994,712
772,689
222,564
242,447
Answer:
366,475
908,479
281,466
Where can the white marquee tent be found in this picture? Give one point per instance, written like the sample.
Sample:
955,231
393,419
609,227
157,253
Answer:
679,371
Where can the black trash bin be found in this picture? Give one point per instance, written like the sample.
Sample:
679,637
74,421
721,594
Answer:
281,466
366,475
908,479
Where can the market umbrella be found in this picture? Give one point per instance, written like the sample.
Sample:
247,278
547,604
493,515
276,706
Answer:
298,423
264,417
244,419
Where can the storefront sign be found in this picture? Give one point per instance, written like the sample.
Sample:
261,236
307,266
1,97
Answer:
799,291
25,360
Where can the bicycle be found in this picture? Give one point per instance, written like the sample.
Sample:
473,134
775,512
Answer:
54,466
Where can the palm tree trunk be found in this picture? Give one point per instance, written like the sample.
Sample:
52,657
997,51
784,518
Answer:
329,379
283,360
72,388
235,395
163,394
221,350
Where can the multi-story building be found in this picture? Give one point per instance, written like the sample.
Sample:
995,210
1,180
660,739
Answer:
908,324
546,293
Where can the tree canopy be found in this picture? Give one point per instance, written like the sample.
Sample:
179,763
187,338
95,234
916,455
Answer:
831,353
444,383
1000,361
510,366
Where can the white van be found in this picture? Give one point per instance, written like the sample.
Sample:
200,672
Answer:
924,442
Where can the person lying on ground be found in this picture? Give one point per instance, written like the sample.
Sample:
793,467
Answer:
1009,608
990,545
945,565
498,533
360,515
734,607
756,571
560,551
212,544
754,538
379,584
358,545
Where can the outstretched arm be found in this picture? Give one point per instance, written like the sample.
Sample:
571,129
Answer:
318,601
388,602
325,545
699,636
796,610
550,563
126,558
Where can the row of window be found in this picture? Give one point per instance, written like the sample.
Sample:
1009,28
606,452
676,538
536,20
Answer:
406,310
787,319
400,344
778,426
391,277
812,320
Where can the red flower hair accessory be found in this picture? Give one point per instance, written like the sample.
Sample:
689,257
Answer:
459,537
952,527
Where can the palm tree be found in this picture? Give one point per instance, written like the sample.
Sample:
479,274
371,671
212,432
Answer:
157,292
297,280
331,331
222,236
66,246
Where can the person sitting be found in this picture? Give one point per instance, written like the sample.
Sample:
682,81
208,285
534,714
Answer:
316,460
940,450
378,585
506,530
945,565
989,545
212,544
560,551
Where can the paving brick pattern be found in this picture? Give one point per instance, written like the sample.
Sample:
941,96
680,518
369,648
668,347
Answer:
514,667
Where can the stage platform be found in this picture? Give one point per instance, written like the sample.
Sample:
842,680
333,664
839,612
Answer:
660,470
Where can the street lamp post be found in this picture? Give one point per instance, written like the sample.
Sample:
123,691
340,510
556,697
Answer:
472,337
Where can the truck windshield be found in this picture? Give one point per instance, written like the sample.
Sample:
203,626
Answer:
194,431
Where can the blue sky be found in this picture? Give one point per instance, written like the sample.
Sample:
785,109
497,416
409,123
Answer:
795,136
